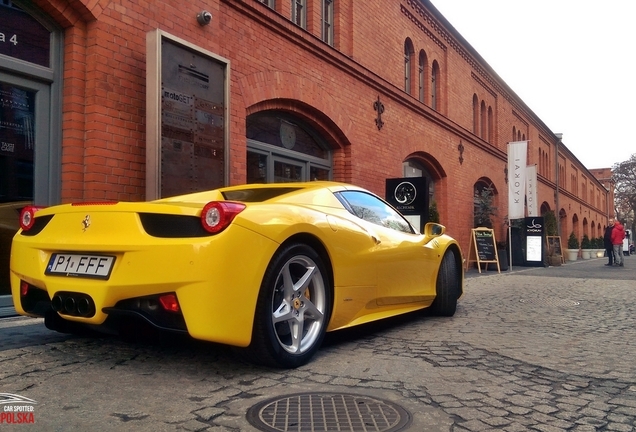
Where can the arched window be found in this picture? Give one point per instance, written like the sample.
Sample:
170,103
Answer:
435,86
413,168
575,226
490,125
475,114
484,202
283,148
408,60
482,115
422,76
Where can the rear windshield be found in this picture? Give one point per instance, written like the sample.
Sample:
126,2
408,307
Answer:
258,194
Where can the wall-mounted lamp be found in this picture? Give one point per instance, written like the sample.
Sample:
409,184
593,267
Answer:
204,17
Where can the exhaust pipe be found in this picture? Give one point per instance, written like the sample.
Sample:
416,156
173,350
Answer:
70,306
84,307
73,304
57,303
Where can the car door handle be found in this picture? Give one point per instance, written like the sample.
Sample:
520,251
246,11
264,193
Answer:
370,232
373,235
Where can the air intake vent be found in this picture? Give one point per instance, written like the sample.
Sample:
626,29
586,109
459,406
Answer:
38,225
172,226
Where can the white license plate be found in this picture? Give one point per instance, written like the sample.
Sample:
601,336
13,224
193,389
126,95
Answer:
93,266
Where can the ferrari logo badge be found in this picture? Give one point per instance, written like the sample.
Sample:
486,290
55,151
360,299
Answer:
86,223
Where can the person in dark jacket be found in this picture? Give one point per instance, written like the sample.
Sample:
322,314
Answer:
618,235
607,242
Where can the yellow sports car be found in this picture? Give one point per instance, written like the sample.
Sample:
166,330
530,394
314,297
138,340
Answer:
267,267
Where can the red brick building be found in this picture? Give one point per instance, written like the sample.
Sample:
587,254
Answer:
353,91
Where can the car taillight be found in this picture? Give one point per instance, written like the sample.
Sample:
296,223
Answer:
169,302
24,288
27,217
217,215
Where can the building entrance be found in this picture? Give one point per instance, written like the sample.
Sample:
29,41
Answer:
30,83
23,104
281,148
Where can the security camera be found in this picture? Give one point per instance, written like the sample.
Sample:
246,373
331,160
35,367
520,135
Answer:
204,17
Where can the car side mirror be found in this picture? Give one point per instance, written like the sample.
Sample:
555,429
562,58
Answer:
434,229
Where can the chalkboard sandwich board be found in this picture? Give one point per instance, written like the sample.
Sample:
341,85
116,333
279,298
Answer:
483,248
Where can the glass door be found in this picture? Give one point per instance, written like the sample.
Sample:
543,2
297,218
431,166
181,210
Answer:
23,108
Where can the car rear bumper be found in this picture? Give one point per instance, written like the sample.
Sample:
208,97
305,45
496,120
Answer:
215,279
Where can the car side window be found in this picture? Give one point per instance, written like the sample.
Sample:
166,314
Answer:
374,210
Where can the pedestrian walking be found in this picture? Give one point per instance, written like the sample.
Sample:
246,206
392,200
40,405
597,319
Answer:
618,234
607,242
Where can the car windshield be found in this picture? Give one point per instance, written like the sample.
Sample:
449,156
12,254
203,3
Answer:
257,194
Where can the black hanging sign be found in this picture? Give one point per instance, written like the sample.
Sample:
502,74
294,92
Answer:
409,196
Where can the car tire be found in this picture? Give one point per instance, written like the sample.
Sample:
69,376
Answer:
295,299
448,286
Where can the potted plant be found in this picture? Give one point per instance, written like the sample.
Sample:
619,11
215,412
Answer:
573,247
550,225
600,247
554,259
502,253
593,247
586,247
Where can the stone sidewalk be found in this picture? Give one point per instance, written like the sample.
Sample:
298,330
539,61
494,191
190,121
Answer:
535,349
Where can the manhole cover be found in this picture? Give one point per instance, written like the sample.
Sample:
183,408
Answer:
328,412
550,302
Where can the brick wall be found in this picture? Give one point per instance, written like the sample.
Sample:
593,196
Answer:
274,64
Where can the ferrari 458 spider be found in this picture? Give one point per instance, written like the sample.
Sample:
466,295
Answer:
267,267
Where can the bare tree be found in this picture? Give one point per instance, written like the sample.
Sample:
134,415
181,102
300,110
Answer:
624,178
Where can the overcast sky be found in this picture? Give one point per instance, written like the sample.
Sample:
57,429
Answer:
570,61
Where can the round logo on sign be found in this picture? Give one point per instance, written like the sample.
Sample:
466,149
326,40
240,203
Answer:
405,193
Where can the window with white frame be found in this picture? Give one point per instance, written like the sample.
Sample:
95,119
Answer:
299,13
327,21
269,3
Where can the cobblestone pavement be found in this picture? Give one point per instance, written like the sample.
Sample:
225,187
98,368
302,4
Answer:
545,349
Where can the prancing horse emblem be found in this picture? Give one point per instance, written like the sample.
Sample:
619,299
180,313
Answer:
86,222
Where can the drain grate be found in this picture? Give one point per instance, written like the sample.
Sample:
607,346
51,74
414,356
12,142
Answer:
317,412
